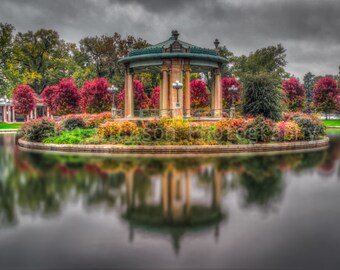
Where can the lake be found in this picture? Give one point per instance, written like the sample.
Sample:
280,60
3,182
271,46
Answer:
267,211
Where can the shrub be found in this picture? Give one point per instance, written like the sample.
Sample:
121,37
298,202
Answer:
311,127
91,120
295,93
287,131
73,123
230,129
262,96
259,130
114,129
38,129
95,97
177,129
24,99
155,130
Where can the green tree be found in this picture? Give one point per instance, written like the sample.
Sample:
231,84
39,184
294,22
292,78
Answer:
262,96
42,57
271,60
105,51
6,49
308,84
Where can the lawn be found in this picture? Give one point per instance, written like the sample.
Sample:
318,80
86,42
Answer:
10,126
331,123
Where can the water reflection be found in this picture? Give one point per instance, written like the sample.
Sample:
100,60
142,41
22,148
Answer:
170,197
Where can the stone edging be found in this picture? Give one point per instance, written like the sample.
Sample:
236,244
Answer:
178,149
7,131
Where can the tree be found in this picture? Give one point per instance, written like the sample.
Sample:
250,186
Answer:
6,44
48,97
271,60
226,95
42,57
24,100
296,94
199,97
67,97
154,101
95,97
262,96
308,84
326,95
141,100
105,51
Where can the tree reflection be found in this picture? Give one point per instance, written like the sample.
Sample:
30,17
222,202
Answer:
170,195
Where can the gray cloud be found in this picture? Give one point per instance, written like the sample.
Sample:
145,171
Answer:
307,28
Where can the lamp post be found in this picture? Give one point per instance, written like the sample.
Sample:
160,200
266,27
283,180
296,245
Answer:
177,85
233,90
113,90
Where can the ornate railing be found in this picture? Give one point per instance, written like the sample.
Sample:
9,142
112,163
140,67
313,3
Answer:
194,113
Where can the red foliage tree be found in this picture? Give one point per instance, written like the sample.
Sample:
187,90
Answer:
66,97
226,95
24,99
95,98
326,95
199,97
48,97
141,100
154,101
296,94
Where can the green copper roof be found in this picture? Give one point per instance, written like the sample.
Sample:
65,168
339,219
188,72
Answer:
166,49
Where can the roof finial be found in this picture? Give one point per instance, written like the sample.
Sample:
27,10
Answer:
175,34
217,42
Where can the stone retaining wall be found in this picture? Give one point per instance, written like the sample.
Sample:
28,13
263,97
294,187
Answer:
179,149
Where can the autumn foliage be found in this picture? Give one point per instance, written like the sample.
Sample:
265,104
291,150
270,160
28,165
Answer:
24,99
141,100
295,93
226,95
326,95
95,97
199,96
62,99
154,101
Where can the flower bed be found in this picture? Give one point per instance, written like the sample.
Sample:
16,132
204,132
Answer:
102,129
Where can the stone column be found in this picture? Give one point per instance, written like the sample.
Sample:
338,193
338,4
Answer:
212,96
128,104
187,92
217,94
165,93
176,75
9,113
35,112
13,114
5,114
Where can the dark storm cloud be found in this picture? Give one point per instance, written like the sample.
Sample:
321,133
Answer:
308,29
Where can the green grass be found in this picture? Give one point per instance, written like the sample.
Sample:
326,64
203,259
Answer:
10,126
331,123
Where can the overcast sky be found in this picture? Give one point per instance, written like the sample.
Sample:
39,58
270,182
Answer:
308,29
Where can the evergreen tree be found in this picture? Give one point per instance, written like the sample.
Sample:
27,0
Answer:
262,96
308,84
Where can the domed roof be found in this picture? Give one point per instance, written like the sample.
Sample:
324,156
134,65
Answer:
173,48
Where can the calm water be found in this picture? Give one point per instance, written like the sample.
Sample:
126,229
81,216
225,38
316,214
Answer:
237,212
